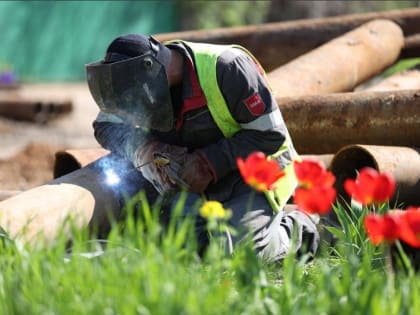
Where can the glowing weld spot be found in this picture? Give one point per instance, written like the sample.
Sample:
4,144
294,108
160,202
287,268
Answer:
111,177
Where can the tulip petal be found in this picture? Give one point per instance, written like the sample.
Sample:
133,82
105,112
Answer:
370,186
259,172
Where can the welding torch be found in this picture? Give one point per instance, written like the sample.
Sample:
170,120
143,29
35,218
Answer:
172,168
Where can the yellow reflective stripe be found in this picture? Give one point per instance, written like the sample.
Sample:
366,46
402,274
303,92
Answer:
286,185
205,59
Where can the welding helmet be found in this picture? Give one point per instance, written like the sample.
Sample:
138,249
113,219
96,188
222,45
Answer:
131,82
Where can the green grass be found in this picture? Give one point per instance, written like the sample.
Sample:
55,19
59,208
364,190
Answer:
146,270
401,65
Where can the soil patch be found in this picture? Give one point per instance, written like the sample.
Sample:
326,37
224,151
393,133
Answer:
31,167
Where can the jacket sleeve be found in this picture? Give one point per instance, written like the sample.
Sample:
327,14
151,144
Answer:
113,134
253,106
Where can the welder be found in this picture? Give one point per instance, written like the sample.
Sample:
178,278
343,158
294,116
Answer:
198,107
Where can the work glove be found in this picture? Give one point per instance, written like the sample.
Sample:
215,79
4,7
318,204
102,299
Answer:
153,159
189,171
169,167
196,172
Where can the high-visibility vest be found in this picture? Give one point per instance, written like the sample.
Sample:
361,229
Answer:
206,56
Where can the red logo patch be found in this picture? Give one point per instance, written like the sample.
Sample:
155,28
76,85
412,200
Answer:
255,104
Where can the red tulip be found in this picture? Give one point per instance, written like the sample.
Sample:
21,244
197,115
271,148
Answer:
310,173
382,228
317,199
370,186
259,172
410,227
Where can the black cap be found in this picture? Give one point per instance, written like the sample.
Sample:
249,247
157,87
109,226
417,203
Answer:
134,45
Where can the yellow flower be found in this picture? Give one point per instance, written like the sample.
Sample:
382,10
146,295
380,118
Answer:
213,210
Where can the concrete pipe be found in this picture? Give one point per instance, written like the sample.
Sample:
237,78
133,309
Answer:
402,162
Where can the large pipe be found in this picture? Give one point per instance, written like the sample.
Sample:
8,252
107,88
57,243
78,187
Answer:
324,159
67,161
39,111
4,194
275,44
402,162
321,124
342,63
89,197
411,47
405,80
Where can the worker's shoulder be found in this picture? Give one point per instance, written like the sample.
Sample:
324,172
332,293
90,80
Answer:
233,55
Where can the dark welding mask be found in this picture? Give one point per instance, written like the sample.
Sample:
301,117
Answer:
135,89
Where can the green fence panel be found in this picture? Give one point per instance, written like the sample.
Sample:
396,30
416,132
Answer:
53,40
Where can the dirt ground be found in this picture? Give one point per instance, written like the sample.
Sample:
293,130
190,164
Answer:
27,149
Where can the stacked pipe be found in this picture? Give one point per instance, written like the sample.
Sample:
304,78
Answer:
314,91
38,111
402,162
275,44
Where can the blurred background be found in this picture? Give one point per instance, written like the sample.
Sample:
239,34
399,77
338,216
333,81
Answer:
44,41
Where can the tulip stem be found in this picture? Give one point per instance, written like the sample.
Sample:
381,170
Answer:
271,197
404,258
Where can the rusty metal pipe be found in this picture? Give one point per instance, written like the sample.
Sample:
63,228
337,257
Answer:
321,124
405,80
4,194
89,194
412,41
325,159
39,111
275,44
111,180
90,197
67,161
342,63
411,46
402,162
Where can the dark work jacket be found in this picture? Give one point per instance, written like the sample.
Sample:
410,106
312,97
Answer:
250,102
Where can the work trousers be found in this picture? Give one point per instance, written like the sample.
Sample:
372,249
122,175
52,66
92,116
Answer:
253,220
252,217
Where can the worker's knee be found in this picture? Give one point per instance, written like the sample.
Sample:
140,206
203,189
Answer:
294,231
